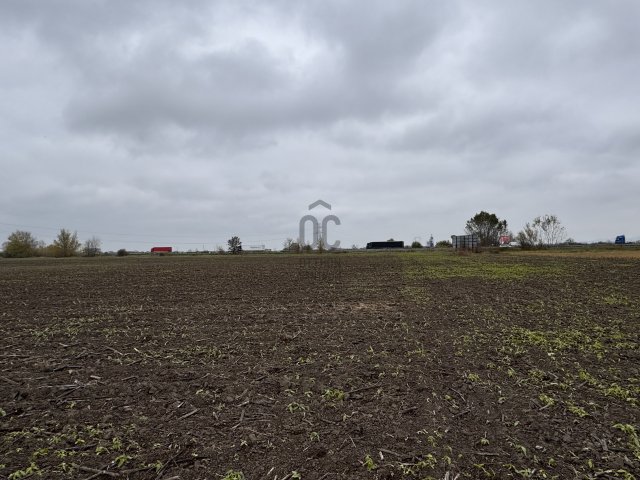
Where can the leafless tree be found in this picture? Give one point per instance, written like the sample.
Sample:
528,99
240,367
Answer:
92,247
544,230
551,229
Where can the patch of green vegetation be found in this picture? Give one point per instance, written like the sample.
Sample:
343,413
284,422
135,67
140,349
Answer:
558,340
473,377
616,299
546,400
628,394
416,294
576,410
334,395
428,462
234,475
32,469
368,463
633,439
586,377
486,471
619,473
294,407
72,442
617,391
422,267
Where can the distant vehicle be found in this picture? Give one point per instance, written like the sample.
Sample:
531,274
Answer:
380,245
620,240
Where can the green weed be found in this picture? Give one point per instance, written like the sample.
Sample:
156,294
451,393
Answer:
368,463
234,475
634,441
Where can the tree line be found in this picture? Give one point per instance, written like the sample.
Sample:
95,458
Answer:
544,230
22,244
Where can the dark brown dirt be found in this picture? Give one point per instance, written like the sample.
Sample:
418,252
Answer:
320,367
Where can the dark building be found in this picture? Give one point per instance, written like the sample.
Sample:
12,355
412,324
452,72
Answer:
465,242
380,245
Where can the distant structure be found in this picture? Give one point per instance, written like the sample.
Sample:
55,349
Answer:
620,240
504,240
382,245
161,250
465,242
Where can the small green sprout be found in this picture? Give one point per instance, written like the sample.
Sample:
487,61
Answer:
369,463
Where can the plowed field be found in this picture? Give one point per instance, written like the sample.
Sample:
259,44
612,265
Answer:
275,367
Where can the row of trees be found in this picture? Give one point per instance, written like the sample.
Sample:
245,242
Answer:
544,230
22,244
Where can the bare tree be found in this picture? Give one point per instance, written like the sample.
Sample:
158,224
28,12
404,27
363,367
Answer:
544,230
92,247
551,229
528,237
287,244
66,244
291,246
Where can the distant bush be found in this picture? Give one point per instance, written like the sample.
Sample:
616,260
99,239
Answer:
20,244
289,246
235,245
48,251
416,244
444,243
122,253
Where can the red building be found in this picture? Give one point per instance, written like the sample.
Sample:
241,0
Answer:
504,240
161,250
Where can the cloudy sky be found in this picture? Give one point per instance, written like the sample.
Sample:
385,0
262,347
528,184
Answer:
183,123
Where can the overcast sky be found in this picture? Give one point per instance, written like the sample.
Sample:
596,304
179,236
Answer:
183,123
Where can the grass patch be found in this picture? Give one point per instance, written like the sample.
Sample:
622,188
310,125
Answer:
446,266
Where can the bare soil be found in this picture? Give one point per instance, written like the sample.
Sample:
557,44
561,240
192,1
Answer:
338,366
